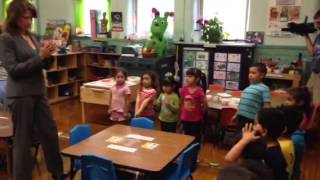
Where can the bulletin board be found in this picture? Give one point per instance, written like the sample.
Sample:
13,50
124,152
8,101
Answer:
280,13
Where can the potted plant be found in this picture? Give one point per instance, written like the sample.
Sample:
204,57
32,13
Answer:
212,30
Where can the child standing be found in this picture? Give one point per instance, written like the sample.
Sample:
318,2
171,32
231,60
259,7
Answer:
169,103
146,95
193,104
254,97
120,97
300,100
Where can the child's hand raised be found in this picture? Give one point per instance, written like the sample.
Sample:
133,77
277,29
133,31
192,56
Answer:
248,134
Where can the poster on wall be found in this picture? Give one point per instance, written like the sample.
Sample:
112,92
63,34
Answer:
222,57
117,24
280,13
219,75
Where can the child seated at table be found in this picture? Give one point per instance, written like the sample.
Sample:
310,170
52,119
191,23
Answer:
168,103
120,97
268,127
254,97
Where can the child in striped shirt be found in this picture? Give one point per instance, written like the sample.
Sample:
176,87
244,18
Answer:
254,97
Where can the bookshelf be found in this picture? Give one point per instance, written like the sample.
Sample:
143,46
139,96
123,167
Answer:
69,71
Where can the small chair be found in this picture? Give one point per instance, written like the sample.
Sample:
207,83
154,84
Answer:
182,170
216,87
142,122
78,134
97,168
236,93
226,123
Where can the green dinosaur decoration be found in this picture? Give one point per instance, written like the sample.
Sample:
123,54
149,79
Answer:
157,44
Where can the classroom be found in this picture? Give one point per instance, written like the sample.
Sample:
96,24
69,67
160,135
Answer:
159,89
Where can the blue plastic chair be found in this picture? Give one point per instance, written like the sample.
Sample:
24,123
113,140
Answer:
182,170
142,122
77,134
97,168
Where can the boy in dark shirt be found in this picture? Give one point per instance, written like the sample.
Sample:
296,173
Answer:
268,127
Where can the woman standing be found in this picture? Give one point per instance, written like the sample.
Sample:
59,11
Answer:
24,60
314,50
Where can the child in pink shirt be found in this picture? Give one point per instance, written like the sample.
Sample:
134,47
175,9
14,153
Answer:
120,97
193,104
146,96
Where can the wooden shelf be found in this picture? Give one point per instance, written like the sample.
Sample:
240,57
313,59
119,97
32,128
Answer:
294,78
61,69
77,65
52,101
102,67
104,53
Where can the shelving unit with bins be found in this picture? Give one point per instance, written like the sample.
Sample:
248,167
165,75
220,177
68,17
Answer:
65,76
100,65
69,71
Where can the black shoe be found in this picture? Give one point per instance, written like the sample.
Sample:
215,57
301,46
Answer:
64,176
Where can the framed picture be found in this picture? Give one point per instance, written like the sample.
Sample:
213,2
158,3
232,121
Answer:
233,67
117,24
222,57
219,75
202,56
232,85
189,55
234,57
203,65
233,76
220,66
255,37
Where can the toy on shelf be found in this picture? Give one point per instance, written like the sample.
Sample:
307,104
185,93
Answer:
157,44
104,22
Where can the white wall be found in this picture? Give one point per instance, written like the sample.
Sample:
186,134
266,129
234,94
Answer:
55,9
258,20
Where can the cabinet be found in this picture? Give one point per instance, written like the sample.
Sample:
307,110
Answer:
68,71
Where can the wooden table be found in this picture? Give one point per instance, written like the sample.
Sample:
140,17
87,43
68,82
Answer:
294,78
145,160
276,100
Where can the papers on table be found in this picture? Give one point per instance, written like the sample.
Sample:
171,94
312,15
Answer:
224,95
149,145
140,137
122,148
129,141
114,139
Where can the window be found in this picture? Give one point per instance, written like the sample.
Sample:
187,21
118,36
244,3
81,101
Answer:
233,14
100,5
145,16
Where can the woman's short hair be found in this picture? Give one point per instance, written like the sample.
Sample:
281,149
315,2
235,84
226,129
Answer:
15,11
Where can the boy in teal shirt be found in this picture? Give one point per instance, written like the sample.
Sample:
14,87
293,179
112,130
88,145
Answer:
254,97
